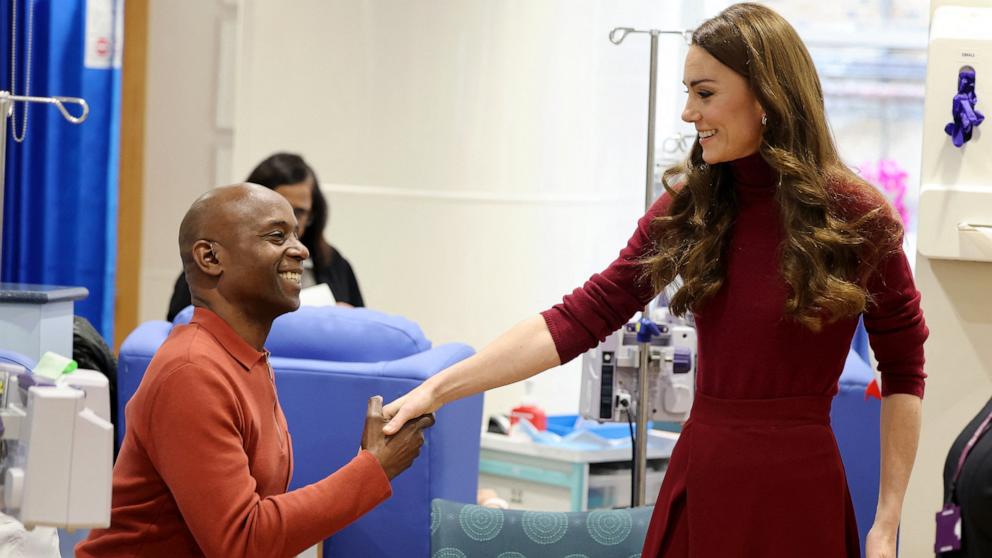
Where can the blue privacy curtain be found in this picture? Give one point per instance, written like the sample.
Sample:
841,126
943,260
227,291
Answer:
60,207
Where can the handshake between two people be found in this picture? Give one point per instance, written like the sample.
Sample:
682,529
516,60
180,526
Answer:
395,452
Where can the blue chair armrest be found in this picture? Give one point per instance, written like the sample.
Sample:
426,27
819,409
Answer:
424,365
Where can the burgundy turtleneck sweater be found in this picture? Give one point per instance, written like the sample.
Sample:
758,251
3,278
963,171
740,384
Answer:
747,348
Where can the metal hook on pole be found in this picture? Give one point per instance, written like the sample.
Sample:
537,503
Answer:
6,109
618,34
59,102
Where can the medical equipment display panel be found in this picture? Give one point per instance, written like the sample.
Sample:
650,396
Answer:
609,373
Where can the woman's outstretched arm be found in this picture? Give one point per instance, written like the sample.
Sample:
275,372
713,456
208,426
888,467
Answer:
520,352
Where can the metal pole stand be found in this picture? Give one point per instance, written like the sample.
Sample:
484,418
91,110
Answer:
647,328
645,332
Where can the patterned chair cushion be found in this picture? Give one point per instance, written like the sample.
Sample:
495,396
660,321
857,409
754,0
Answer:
469,531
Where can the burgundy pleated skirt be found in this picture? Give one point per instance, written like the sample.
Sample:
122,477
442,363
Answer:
755,478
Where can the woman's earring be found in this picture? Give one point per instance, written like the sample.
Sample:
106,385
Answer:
764,119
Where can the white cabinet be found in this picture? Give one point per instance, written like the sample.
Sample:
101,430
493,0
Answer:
536,476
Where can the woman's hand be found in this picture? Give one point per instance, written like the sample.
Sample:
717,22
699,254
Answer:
418,401
881,542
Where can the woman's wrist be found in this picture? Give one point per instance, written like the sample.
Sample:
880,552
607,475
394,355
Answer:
431,390
887,519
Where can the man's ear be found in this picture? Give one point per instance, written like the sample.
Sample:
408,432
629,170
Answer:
206,258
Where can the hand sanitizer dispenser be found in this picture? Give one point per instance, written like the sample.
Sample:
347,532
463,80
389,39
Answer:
955,211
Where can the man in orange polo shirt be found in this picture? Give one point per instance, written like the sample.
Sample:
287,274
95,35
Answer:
207,459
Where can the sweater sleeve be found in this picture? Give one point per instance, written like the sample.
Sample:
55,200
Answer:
608,299
196,444
895,326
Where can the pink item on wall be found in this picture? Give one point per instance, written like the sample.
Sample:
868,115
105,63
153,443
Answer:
889,177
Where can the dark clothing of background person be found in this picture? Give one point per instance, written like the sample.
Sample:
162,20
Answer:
974,490
91,352
337,274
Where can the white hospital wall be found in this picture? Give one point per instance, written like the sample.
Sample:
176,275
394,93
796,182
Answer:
958,311
481,158
184,137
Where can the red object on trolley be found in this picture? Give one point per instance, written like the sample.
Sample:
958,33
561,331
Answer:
534,414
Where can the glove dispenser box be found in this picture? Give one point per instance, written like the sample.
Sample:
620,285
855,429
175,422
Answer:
955,208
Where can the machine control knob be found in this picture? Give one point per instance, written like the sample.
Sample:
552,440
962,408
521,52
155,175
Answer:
13,488
677,399
682,361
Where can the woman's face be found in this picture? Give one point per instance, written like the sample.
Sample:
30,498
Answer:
300,197
722,107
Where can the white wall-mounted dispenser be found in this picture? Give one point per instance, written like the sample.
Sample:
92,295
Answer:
955,211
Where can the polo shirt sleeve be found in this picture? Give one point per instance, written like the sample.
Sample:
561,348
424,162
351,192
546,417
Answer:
196,445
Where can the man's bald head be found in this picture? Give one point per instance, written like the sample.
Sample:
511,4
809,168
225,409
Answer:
218,213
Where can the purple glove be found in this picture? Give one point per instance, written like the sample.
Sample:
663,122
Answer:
966,118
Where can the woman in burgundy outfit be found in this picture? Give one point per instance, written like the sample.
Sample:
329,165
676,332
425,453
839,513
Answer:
780,248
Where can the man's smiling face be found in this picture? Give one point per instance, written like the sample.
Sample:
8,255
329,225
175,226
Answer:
261,254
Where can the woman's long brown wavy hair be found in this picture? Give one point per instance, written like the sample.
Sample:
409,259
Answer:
828,251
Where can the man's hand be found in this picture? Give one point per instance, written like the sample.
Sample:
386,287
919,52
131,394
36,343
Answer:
395,453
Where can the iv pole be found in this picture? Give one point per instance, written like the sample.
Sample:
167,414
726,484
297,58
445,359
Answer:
647,327
6,110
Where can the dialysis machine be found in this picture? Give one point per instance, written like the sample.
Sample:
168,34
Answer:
610,371
56,448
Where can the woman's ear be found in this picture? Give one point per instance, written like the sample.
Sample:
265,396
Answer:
206,258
